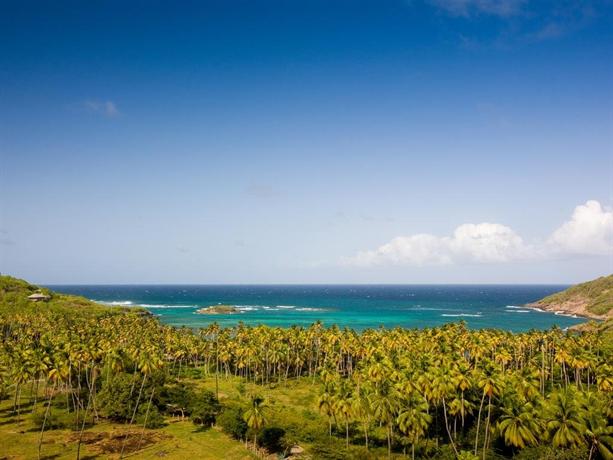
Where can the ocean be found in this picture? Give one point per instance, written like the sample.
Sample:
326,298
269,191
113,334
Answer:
355,306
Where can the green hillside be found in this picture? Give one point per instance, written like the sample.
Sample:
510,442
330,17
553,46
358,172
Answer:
14,294
596,296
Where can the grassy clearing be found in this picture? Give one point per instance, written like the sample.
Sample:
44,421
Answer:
176,441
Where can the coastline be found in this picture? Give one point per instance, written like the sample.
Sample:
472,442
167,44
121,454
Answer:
571,309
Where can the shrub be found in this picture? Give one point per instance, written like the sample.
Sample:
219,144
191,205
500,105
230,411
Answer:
119,394
4,391
466,455
56,419
329,449
271,439
177,399
240,387
204,408
231,421
154,418
551,453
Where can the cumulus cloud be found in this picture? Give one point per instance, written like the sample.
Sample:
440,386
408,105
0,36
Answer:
106,108
483,243
589,232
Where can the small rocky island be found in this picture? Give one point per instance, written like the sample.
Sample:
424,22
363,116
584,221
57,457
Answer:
218,310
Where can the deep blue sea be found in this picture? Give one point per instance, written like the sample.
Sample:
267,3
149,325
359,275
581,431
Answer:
356,306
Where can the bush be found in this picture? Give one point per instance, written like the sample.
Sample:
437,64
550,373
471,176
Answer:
119,394
329,449
56,419
240,387
231,421
466,455
176,399
550,453
204,408
154,418
4,392
271,439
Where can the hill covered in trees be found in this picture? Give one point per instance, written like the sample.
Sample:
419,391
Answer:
593,299
79,379
14,294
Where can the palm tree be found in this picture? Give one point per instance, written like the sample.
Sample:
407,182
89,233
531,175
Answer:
384,402
565,422
255,416
519,424
413,420
342,406
325,404
598,433
361,410
490,386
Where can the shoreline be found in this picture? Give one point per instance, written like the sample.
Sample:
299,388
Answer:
579,311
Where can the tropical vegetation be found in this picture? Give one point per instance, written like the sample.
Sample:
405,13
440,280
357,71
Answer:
592,298
446,392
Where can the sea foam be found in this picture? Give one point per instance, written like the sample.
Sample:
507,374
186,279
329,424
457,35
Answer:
474,315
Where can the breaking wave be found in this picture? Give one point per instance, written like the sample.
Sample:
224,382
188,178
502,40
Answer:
472,315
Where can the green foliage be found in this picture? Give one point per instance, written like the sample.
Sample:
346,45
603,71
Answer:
176,399
56,419
272,439
466,455
149,415
232,422
432,391
328,449
597,293
552,453
204,408
119,395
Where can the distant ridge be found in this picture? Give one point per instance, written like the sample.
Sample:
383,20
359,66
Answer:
592,299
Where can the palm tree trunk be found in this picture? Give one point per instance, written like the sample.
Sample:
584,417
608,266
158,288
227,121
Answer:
479,422
447,428
15,400
140,392
42,430
146,417
487,425
89,398
347,432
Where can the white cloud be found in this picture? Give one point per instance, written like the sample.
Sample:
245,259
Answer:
483,242
502,8
488,243
106,108
589,232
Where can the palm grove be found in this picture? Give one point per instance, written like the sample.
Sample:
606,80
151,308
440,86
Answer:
446,392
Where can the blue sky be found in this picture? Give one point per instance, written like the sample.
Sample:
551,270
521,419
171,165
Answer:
284,142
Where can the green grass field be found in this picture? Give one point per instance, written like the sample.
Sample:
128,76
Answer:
292,405
176,441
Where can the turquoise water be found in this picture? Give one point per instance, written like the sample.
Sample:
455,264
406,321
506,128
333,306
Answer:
359,307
